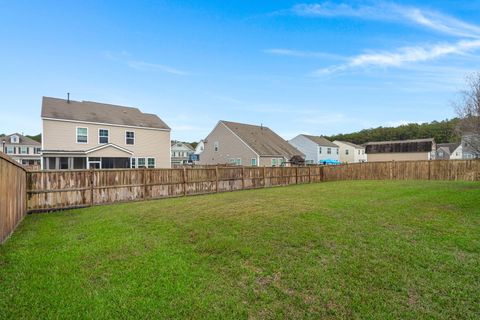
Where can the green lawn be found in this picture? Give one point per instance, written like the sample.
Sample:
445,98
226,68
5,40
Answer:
366,250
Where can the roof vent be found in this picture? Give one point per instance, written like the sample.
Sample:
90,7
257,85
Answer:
68,97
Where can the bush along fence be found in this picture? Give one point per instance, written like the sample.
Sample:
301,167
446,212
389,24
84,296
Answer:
54,190
13,195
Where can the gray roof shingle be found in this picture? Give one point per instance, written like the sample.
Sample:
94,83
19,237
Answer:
89,111
264,141
321,141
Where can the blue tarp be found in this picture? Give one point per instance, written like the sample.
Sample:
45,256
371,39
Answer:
329,162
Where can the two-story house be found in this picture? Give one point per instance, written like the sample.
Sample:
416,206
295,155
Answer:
245,144
181,153
86,134
317,149
22,149
350,152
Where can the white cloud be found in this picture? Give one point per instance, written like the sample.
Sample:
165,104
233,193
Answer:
402,56
302,54
391,12
125,58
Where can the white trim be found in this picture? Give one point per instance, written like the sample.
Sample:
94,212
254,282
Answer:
134,137
108,136
76,135
107,124
236,136
103,146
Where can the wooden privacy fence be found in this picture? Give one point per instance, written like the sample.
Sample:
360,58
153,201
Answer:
13,191
53,190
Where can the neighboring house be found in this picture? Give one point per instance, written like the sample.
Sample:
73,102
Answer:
245,144
317,150
471,146
85,134
22,149
350,152
198,151
401,150
181,153
449,151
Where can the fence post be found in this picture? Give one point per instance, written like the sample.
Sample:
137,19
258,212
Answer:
296,175
322,174
264,178
91,186
243,178
309,174
144,183
184,181
429,173
216,178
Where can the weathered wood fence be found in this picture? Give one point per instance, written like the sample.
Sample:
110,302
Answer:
53,190
13,192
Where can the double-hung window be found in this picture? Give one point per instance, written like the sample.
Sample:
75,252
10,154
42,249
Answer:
103,136
329,150
130,137
82,135
151,162
253,162
274,162
140,162
23,150
10,150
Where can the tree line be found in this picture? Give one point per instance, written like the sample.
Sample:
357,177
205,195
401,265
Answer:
442,131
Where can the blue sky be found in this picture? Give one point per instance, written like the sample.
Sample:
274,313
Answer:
295,66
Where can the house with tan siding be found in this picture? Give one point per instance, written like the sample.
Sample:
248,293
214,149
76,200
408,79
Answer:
350,152
401,150
22,149
245,144
86,134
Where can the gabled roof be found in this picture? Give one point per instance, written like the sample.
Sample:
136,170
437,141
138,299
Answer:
356,146
450,146
321,141
414,145
186,145
262,140
22,140
88,111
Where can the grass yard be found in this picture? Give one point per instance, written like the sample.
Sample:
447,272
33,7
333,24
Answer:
365,249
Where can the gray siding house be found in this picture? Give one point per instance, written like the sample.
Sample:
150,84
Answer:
245,144
316,149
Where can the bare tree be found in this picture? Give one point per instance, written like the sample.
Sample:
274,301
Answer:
468,110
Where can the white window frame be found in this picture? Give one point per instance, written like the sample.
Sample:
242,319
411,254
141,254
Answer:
329,150
126,139
253,162
76,135
320,150
108,136
238,161
273,162
144,162
346,152
11,149
14,139
216,146
23,149
148,163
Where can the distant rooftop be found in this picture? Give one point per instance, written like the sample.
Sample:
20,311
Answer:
321,141
414,145
264,141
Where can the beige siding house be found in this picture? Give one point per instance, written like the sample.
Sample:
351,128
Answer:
85,134
350,152
22,149
245,144
402,150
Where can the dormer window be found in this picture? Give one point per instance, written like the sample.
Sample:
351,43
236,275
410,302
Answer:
14,139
